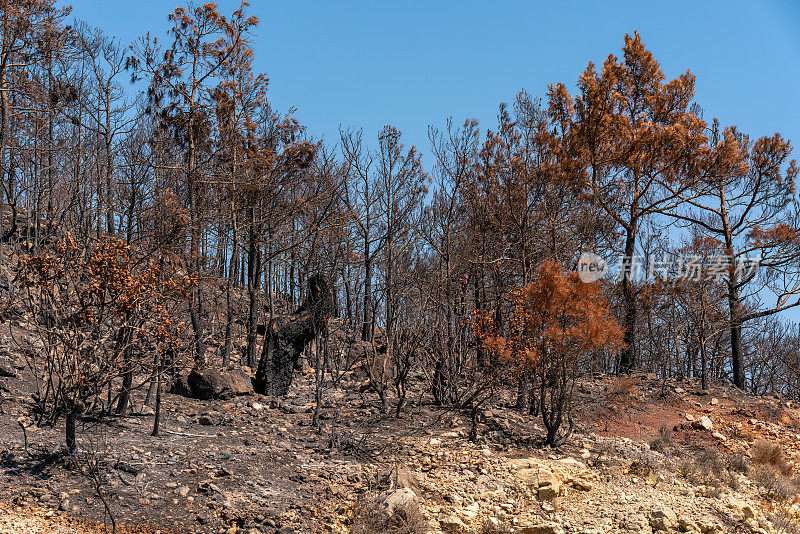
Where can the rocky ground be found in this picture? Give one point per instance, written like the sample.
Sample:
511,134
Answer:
647,457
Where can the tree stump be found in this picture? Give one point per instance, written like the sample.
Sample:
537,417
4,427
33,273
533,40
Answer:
289,336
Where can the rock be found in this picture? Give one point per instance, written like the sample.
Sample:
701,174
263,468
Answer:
742,508
718,436
452,524
471,511
572,462
714,402
548,484
7,372
209,384
704,423
181,386
549,492
205,421
687,525
583,481
399,499
634,523
182,491
542,528
663,519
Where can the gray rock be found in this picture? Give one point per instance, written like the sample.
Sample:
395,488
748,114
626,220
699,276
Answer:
399,499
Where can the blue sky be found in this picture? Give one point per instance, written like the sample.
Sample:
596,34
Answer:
412,64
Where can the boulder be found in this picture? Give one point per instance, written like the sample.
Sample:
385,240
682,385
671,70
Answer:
704,423
663,519
209,384
548,484
399,499
181,386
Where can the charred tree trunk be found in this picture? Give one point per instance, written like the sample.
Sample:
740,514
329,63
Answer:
289,336
627,359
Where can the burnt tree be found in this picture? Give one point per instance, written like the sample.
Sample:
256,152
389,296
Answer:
288,337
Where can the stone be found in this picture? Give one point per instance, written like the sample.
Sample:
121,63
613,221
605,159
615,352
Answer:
205,421
572,462
542,528
634,523
719,436
703,423
663,519
714,402
399,499
742,508
207,384
182,491
181,386
583,481
7,372
452,524
687,525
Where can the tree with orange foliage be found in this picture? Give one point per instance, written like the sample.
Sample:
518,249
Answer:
93,312
558,320
639,143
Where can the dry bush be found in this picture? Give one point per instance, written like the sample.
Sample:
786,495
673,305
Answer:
647,463
784,522
738,463
623,386
776,485
664,442
765,453
370,517
711,468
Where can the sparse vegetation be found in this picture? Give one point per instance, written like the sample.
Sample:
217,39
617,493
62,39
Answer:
587,290
369,516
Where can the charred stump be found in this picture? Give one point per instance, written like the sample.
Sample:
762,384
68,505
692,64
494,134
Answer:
289,336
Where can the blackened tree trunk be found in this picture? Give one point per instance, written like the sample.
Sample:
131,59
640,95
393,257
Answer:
289,336
627,359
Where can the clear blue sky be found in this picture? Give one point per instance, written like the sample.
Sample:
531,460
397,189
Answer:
412,64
